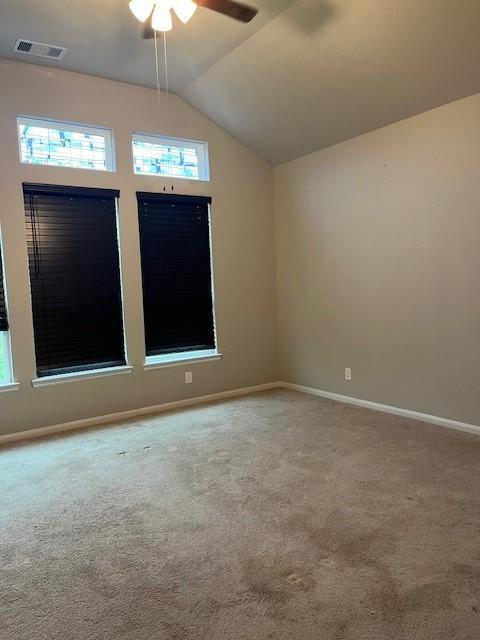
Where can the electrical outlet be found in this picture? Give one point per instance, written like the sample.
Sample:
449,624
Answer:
188,377
348,373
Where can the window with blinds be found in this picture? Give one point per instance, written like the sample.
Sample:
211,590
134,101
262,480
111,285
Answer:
3,300
5,364
75,278
176,273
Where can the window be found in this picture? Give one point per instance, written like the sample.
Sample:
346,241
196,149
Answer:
170,157
64,144
5,360
75,278
176,274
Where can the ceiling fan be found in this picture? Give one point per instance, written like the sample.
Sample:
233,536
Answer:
160,11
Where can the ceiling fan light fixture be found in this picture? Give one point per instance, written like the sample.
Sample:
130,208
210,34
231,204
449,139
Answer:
184,9
161,18
141,9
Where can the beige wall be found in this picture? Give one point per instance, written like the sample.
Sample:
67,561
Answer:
243,250
378,257
378,264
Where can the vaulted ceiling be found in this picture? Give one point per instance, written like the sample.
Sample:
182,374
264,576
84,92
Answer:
303,75
104,38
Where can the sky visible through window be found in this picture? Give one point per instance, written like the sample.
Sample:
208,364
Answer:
159,159
62,148
3,362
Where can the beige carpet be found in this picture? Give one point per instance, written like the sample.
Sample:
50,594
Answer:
278,516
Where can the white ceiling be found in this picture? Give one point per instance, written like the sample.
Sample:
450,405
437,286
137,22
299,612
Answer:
303,75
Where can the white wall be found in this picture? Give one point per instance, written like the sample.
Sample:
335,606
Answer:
243,252
378,264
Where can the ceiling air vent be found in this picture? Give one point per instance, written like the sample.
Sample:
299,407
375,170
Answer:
40,49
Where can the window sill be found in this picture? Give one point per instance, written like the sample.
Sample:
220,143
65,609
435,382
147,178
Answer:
9,386
177,359
82,375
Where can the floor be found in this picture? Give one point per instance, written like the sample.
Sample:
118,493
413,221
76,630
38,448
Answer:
277,515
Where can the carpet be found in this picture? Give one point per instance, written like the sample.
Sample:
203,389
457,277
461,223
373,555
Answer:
276,515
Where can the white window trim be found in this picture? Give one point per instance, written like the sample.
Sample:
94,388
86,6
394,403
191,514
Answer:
81,375
201,147
212,277
179,358
7,383
76,127
7,351
9,386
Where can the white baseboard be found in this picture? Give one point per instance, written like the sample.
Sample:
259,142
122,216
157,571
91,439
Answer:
385,408
133,413
178,404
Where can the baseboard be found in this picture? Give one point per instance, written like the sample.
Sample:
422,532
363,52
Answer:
133,413
187,402
385,408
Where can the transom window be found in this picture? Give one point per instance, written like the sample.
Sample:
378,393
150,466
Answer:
65,144
170,157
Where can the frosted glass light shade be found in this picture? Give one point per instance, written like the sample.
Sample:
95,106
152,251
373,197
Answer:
184,9
141,9
161,19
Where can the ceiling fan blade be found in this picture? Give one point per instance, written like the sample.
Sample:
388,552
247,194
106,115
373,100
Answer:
230,8
235,10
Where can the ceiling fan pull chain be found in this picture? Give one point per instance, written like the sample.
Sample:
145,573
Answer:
157,70
168,119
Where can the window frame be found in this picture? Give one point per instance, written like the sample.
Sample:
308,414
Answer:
5,341
200,146
74,127
6,348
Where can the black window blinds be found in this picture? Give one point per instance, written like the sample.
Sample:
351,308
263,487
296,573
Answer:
176,273
75,278
3,302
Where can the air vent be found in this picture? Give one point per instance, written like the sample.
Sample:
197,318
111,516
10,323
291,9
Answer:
23,46
55,52
40,49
